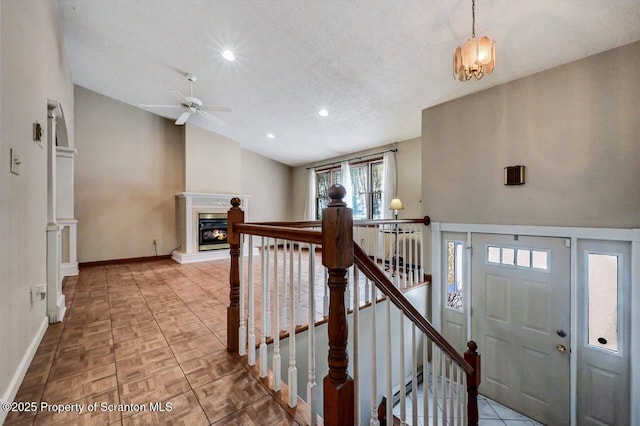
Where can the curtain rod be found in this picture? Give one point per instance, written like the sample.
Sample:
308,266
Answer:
353,158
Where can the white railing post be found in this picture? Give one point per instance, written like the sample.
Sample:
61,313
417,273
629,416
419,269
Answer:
311,382
242,329
293,371
277,364
265,298
374,376
252,307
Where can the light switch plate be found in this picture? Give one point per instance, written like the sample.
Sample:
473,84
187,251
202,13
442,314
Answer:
15,162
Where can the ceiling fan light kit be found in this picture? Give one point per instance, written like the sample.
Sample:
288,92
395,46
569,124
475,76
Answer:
193,105
476,57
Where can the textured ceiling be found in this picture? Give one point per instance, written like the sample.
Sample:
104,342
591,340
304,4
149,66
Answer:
374,65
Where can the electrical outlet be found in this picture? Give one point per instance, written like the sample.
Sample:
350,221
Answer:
15,162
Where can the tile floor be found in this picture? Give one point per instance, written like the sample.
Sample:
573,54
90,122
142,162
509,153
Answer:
490,412
145,332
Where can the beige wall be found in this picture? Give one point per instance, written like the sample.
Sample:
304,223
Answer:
408,178
212,162
130,165
576,128
268,183
33,71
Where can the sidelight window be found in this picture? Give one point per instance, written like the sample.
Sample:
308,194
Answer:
602,303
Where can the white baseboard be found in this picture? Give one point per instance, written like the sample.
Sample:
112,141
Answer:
18,376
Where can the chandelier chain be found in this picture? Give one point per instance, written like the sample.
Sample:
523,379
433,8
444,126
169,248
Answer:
473,18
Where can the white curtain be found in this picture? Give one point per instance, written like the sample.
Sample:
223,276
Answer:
310,204
345,171
388,183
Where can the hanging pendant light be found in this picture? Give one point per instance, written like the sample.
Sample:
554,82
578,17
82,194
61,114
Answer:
476,57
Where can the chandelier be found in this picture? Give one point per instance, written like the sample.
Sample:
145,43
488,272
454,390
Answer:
476,57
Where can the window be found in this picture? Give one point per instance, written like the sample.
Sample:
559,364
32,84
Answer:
525,258
602,275
366,189
454,275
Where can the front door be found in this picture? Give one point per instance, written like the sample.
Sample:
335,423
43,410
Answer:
521,320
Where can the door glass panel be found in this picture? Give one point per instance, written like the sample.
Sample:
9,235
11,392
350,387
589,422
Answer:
454,275
539,259
508,256
493,254
524,258
603,301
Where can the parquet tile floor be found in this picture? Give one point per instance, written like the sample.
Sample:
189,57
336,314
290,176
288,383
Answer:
142,333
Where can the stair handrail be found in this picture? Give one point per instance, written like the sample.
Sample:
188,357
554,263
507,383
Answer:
373,272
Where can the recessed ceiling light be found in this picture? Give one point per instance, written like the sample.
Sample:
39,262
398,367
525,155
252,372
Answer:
228,55
323,112
271,136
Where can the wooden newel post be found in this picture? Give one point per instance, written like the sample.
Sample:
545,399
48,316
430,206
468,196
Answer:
234,216
337,256
473,382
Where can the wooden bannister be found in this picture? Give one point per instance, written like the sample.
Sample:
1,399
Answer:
234,217
339,253
337,256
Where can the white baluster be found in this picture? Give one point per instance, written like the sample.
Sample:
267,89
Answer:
356,340
242,329
404,257
412,261
285,288
414,373
434,381
325,297
265,298
425,377
311,381
367,236
267,302
252,307
465,399
459,391
277,364
403,375
451,384
374,376
389,364
293,371
299,315
443,381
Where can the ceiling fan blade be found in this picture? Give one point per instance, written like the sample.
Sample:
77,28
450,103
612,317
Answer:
183,118
213,118
159,106
179,95
216,108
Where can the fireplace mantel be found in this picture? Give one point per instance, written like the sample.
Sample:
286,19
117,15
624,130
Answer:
188,206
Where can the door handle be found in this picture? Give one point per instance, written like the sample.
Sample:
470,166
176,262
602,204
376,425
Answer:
561,348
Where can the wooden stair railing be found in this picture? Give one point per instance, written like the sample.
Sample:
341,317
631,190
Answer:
339,253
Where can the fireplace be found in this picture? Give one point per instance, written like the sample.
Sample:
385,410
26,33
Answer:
212,231
201,225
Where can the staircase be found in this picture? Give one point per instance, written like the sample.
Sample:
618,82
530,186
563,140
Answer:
379,344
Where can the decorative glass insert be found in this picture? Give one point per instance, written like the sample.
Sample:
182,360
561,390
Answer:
602,296
493,254
454,275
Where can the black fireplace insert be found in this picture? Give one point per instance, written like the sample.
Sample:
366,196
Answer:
212,231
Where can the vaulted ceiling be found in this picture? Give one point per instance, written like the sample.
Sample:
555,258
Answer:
373,65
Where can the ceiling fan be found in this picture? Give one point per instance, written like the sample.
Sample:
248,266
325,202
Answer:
192,105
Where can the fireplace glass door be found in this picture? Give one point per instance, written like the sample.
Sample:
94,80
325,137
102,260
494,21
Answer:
212,231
